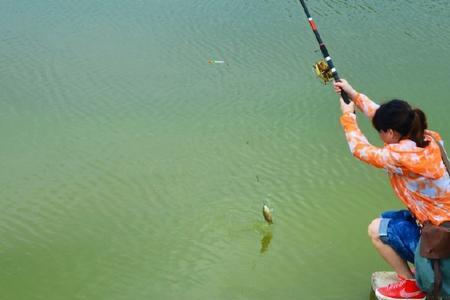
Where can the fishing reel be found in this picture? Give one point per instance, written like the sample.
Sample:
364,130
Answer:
323,71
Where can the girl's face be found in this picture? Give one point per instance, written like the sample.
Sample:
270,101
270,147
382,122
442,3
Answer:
389,136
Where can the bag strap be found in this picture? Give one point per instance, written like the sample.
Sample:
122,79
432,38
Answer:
444,155
437,280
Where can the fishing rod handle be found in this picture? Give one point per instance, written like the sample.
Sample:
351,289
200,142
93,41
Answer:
344,95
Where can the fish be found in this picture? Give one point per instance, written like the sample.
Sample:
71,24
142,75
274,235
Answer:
267,213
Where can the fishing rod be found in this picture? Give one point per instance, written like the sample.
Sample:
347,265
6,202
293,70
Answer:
324,69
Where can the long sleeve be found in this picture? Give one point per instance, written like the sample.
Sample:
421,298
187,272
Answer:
417,175
367,106
360,146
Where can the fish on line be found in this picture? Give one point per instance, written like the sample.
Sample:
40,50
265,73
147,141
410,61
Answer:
267,213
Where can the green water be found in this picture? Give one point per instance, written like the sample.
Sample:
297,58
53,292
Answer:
133,169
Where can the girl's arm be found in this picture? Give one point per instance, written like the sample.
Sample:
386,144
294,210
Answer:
360,146
367,106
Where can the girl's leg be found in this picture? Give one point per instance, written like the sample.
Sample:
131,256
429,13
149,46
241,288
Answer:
388,253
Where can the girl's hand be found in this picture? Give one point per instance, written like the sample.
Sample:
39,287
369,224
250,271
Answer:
345,86
347,108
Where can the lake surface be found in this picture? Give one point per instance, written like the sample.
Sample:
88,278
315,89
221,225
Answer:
133,169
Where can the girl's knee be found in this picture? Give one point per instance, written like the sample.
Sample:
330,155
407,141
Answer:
373,229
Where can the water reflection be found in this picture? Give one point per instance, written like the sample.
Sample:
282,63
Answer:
266,239
266,235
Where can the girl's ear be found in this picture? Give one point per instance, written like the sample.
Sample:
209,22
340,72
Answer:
391,132
394,135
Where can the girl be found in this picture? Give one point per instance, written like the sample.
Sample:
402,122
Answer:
412,158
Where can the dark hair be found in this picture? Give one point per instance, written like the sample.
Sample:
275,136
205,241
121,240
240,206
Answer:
398,115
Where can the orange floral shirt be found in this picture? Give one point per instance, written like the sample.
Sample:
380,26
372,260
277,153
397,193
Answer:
418,175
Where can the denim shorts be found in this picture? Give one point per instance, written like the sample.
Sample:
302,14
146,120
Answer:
399,230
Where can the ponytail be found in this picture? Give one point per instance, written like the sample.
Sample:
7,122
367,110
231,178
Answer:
418,126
